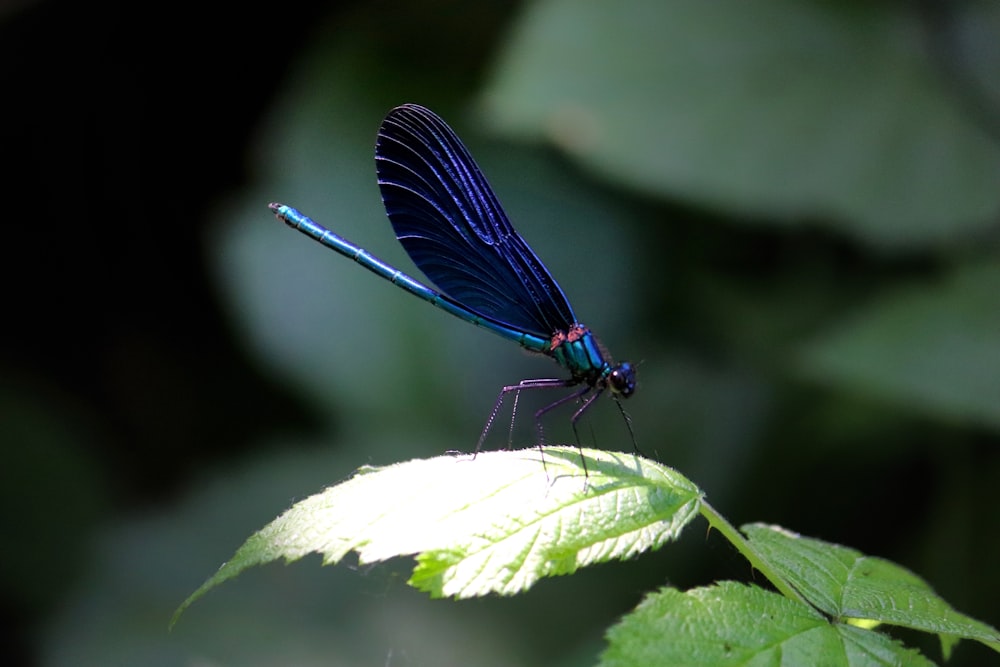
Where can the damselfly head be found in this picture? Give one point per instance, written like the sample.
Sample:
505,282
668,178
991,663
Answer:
621,379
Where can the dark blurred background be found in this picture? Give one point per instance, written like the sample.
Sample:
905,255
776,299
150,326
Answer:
787,214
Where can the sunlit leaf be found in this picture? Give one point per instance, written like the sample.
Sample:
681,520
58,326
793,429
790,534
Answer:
734,624
846,584
494,523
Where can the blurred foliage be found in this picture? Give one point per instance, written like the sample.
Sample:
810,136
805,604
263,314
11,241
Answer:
783,110
928,345
785,212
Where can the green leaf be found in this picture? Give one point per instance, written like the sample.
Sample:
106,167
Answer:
789,110
495,523
932,346
846,584
735,624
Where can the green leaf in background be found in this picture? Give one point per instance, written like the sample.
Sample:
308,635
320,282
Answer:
735,624
496,523
784,109
935,347
846,584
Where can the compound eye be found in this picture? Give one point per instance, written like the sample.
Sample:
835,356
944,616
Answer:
621,380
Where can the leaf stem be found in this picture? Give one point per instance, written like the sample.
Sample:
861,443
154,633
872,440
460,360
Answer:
749,552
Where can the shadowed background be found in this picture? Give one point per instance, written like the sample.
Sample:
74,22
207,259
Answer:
785,214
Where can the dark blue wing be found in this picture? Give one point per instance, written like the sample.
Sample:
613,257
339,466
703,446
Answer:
452,226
